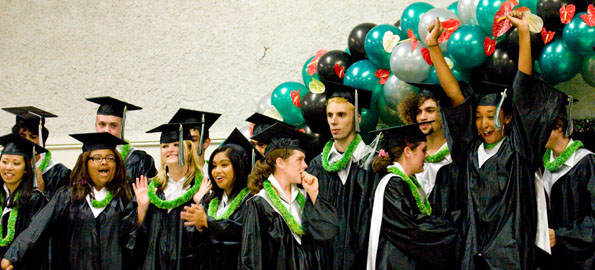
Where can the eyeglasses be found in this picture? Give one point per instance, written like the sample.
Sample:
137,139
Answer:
98,158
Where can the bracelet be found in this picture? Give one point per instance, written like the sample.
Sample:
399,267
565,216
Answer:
433,45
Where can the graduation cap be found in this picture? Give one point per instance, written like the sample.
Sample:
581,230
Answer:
204,121
433,91
114,107
31,117
14,144
493,94
281,136
238,139
175,132
98,140
360,98
402,135
262,122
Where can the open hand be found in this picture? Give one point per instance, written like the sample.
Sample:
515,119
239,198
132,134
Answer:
140,188
205,187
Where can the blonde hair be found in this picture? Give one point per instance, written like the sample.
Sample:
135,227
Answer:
190,161
341,100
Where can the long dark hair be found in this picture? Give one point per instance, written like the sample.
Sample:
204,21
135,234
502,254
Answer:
24,189
241,165
81,184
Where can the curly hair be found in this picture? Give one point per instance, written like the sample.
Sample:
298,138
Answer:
81,184
266,167
409,107
380,163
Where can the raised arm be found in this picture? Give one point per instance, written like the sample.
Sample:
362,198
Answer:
447,79
520,21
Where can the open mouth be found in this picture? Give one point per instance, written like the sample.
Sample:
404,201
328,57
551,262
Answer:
8,175
103,172
218,179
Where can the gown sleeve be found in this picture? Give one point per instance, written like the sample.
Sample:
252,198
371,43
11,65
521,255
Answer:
415,234
578,237
536,105
459,129
320,220
40,223
254,247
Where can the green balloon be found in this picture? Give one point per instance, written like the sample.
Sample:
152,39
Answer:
369,120
411,16
579,37
286,98
306,77
454,7
460,75
485,12
388,116
558,63
531,4
374,44
465,46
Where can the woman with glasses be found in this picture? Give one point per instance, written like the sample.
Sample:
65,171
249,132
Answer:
91,222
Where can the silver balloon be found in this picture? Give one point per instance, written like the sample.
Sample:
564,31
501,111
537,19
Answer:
264,104
396,90
588,70
466,11
441,13
409,65
245,130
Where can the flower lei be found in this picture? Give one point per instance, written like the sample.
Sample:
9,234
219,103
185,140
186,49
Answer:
341,163
12,220
423,205
438,156
45,162
103,203
233,206
125,151
555,165
287,216
490,146
163,204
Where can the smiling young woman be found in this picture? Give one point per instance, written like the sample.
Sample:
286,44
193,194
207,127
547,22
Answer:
92,221
19,200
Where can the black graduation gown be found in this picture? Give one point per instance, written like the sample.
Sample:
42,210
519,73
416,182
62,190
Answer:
571,213
267,242
501,216
37,255
139,163
165,243
225,236
348,250
54,178
79,240
448,193
409,239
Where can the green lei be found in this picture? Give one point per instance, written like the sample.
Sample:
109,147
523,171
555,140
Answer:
422,204
555,165
287,216
45,162
233,206
103,203
12,220
340,164
438,156
125,151
491,146
163,204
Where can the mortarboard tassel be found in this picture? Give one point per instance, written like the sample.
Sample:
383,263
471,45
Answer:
181,146
498,108
123,121
570,127
202,132
356,112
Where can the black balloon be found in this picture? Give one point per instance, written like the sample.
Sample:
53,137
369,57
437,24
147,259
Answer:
314,112
398,23
513,44
356,40
326,65
501,67
314,146
549,11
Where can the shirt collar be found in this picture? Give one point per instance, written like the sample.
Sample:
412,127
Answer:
398,166
277,186
360,151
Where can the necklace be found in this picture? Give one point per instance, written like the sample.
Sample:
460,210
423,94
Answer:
233,206
163,204
422,204
555,165
294,226
341,163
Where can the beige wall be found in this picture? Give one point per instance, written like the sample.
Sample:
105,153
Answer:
220,56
